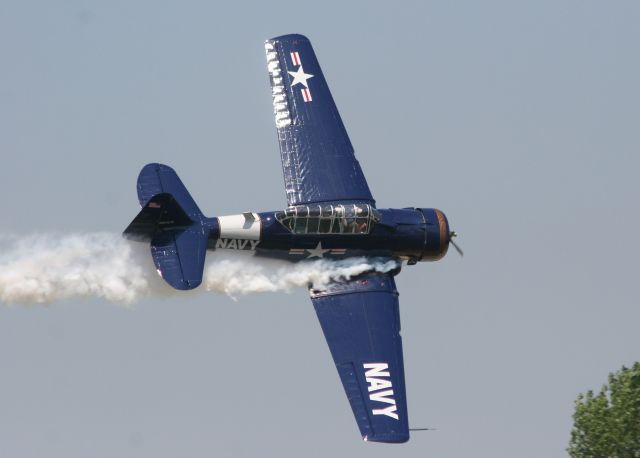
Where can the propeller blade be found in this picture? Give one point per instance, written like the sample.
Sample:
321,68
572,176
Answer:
458,249
455,245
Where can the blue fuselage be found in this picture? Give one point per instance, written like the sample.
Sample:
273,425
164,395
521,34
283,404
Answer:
412,234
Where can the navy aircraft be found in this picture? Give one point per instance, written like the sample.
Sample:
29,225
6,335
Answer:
330,214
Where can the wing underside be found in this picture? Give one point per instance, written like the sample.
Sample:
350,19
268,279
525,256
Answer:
317,157
361,323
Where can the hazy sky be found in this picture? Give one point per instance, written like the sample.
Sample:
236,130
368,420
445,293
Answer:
519,119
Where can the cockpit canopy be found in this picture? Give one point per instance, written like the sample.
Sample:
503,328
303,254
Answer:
329,219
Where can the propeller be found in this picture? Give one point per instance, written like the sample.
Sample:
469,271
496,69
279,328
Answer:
453,234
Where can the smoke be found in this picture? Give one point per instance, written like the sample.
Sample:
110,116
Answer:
47,268
255,275
42,269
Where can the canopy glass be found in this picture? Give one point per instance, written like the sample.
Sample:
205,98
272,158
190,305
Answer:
329,219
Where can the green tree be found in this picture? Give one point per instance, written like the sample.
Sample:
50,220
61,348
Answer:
607,424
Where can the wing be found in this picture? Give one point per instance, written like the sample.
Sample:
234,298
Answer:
317,156
361,322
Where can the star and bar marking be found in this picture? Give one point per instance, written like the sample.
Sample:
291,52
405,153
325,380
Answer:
300,77
317,252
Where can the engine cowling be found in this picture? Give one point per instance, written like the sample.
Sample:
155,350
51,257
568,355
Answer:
437,234
419,234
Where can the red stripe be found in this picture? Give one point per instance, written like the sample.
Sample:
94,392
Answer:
295,58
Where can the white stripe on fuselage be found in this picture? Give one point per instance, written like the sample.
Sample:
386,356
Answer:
243,227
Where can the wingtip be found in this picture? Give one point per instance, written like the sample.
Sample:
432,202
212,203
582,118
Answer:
387,438
289,37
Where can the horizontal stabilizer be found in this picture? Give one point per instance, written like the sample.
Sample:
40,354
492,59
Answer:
156,178
173,223
179,257
161,213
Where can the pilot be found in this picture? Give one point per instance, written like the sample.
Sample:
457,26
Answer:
349,225
361,227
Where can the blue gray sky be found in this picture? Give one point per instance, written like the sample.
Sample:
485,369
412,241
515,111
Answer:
518,119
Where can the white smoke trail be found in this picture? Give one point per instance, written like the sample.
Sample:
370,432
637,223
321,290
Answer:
254,275
42,269
47,268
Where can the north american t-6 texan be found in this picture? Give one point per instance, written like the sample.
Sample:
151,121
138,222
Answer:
330,214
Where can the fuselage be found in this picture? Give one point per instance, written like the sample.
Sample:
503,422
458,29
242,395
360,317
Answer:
334,232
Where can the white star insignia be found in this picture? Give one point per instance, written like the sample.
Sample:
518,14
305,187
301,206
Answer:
317,252
299,76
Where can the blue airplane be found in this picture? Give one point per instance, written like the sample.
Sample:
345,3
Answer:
330,214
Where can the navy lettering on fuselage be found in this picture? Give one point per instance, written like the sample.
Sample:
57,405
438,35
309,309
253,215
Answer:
380,388
237,244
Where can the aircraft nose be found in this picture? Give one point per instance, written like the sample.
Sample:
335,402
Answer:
444,233
437,234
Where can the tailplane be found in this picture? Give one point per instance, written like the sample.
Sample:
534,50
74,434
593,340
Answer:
174,225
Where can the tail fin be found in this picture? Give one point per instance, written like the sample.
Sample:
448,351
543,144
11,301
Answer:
173,223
